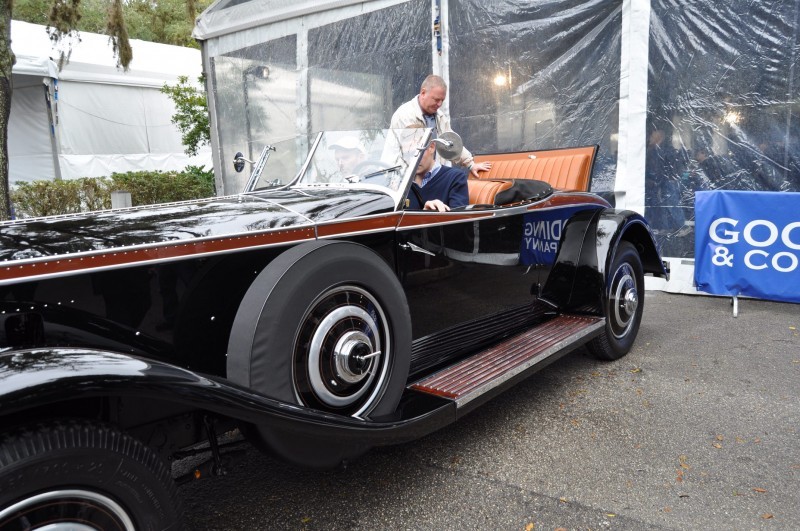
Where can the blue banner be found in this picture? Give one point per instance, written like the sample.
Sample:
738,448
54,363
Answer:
748,243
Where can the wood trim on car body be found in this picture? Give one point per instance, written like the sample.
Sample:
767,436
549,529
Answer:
364,225
59,265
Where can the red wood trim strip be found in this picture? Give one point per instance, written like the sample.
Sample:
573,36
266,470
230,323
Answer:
63,264
335,228
415,219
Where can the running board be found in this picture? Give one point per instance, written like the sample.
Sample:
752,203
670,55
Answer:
510,361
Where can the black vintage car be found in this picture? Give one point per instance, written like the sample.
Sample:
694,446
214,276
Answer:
315,313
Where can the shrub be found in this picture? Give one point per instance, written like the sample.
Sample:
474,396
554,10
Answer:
47,198
147,188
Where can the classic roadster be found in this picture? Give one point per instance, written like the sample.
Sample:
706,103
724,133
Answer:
315,312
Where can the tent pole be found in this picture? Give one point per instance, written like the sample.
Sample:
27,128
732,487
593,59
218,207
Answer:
51,99
440,43
629,184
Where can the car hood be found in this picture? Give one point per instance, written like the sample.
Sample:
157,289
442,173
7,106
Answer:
244,214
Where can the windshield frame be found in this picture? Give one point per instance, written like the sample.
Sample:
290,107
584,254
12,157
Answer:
410,158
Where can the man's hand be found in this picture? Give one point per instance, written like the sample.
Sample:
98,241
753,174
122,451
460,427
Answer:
436,205
480,166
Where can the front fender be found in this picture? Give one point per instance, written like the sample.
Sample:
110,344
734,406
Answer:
588,243
36,378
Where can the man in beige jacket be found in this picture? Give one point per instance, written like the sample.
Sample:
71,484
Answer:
423,110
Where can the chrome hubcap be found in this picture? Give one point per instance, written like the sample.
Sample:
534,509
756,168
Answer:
624,300
341,359
67,510
353,354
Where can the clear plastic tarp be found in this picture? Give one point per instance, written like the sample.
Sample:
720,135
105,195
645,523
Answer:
537,75
720,91
722,107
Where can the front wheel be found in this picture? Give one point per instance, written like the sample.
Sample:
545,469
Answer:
83,475
623,305
326,326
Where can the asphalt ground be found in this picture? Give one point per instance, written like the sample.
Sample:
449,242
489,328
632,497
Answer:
696,428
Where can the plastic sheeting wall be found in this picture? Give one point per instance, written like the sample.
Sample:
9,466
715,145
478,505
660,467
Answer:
348,73
718,87
722,106
537,75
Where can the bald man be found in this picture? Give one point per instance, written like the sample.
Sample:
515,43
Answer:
424,110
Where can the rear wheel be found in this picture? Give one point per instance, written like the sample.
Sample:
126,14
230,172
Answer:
623,305
82,475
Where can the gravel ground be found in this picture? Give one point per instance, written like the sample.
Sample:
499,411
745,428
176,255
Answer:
696,428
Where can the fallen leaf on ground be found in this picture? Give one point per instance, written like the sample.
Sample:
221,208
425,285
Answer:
767,516
759,489
636,369
529,527
720,437
562,500
717,445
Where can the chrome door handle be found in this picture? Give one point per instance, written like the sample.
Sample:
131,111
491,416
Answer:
416,248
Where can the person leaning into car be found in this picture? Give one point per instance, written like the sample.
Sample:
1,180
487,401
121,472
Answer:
424,110
440,187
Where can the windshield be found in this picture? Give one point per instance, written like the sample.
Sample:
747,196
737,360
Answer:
381,159
285,160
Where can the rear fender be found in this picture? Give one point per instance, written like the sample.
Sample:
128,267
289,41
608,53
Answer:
589,240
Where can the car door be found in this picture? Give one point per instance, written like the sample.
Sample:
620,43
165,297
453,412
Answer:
464,280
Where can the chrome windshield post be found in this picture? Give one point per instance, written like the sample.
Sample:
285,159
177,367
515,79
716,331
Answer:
258,167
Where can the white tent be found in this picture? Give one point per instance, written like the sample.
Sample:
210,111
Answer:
92,119
677,98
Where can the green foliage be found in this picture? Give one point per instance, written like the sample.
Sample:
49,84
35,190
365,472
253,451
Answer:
48,198
119,35
33,11
203,175
62,21
164,21
148,188
191,113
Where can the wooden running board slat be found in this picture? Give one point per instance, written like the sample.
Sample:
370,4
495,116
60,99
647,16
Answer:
480,373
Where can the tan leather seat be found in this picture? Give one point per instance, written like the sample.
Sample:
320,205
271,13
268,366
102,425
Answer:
564,169
483,191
